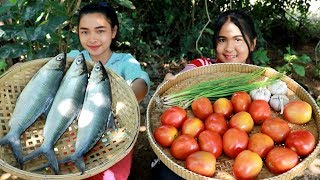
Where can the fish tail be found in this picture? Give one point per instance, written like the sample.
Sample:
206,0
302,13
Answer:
79,162
33,154
39,168
111,122
4,140
17,150
52,159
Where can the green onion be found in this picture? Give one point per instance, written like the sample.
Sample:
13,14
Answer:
217,88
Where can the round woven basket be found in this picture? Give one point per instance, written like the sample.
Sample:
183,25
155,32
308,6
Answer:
224,163
111,148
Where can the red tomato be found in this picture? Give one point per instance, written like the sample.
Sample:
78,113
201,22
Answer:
247,165
241,101
301,141
260,144
277,128
281,159
202,107
242,120
165,135
216,122
183,146
174,116
297,112
192,126
223,106
210,141
259,111
234,141
201,162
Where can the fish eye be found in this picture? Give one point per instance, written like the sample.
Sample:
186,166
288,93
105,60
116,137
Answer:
98,68
79,60
59,58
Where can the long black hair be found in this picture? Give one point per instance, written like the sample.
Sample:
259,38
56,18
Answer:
108,12
243,21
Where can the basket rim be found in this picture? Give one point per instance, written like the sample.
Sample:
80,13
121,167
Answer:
185,173
97,169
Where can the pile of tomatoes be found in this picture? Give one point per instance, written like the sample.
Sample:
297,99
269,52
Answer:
225,126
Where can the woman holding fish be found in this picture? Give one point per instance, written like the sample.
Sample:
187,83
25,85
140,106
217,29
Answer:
98,27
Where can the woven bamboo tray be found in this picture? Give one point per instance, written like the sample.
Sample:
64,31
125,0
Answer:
224,163
111,148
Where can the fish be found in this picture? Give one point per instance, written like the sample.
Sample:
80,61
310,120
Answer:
35,100
95,118
64,110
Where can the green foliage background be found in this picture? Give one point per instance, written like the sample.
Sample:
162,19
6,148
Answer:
152,30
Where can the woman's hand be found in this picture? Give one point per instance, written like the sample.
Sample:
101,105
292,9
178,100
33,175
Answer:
140,89
167,77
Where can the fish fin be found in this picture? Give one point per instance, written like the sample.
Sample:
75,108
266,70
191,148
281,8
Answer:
52,158
111,122
33,154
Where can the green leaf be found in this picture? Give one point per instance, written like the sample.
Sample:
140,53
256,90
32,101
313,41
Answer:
304,59
126,3
57,8
4,8
3,64
32,10
298,69
13,50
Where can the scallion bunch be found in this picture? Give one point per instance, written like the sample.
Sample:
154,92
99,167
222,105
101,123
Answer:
216,88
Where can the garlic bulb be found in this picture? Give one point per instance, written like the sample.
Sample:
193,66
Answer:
278,101
261,93
279,87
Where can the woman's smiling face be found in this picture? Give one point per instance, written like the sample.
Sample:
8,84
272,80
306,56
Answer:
96,34
231,46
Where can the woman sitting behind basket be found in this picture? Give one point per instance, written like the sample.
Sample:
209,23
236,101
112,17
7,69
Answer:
98,27
234,41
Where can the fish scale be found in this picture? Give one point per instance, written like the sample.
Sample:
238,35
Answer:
65,108
34,100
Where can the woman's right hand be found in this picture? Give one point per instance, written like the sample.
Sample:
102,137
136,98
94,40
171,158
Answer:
169,76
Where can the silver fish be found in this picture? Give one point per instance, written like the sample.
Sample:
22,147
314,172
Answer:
95,117
35,99
65,108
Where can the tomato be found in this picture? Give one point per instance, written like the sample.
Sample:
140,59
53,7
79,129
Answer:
301,141
201,162
183,146
277,128
281,159
247,165
234,141
261,144
241,101
259,111
297,112
192,126
223,106
165,135
216,122
210,141
202,107
174,116
242,120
